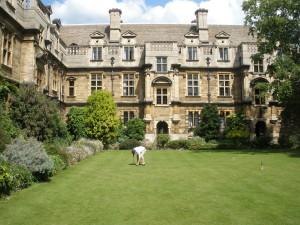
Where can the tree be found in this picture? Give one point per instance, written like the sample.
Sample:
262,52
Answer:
209,127
276,24
135,129
76,122
36,114
237,128
101,117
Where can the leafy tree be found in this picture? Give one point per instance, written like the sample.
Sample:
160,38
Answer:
36,114
101,118
6,89
209,127
76,122
135,129
237,128
276,24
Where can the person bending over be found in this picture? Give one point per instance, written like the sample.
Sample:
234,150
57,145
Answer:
139,153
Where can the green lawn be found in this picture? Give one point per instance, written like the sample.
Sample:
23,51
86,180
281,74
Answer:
175,187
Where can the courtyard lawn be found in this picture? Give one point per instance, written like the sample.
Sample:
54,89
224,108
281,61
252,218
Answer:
174,188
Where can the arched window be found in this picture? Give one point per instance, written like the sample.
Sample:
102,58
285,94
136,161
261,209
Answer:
260,91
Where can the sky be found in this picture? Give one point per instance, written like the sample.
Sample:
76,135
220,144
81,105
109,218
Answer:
146,11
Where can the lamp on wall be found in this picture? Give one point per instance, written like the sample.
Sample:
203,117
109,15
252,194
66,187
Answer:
208,80
112,62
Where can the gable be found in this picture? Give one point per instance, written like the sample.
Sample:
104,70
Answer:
97,34
222,35
191,34
128,34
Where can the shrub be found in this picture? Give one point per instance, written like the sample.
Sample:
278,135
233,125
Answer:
6,179
7,125
30,154
200,144
4,139
58,164
177,144
13,178
81,149
76,123
135,129
36,114
209,127
294,141
162,140
261,142
102,122
129,144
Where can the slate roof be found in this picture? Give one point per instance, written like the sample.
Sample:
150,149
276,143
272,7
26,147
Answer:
80,34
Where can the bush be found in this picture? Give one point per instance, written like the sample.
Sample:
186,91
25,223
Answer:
197,143
178,144
13,178
294,141
209,127
82,149
261,142
129,144
58,163
102,122
76,123
30,154
37,115
162,140
135,129
4,139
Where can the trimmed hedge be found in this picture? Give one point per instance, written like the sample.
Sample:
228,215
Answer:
129,144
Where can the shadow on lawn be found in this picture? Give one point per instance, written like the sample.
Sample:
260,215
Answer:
289,152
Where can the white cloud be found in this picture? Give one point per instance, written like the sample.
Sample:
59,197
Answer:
137,11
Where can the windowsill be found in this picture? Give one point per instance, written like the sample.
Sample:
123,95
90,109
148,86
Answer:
220,96
259,73
165,105
128,96
71,96
192,60
96,60
193,96
130,60
220,60
163,72
264,105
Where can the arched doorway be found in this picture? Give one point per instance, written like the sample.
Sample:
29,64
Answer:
162,127
260,129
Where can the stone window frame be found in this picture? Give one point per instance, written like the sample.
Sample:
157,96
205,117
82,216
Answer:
224,86
99,54
128,84
193,86
128,56
55,80
258,66
191,115
98,79
222,57
128,115
161,64
194,53
162,95
258,100
71,79
7,48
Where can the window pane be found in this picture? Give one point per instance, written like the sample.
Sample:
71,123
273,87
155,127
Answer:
190,91
221,92
158,100
165,98
165,91
196,91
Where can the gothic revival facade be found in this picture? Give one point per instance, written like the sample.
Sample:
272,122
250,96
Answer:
162,73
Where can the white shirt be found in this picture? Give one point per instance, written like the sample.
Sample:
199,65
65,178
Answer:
140,150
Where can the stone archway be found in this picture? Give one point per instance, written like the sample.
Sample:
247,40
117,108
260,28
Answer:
162,127
260,129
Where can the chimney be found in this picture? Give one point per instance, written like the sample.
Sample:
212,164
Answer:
201,17
115,25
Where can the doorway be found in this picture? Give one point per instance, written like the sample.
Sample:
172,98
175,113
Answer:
260,129
162,127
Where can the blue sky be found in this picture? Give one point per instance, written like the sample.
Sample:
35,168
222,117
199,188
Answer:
146,11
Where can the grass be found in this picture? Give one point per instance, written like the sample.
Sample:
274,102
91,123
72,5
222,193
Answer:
175,187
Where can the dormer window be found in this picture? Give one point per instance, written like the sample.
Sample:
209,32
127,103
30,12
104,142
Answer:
258,66
73,49
161,63
223,54
192,53
128,53
97,54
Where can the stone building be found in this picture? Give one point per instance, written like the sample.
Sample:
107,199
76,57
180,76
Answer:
162,73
